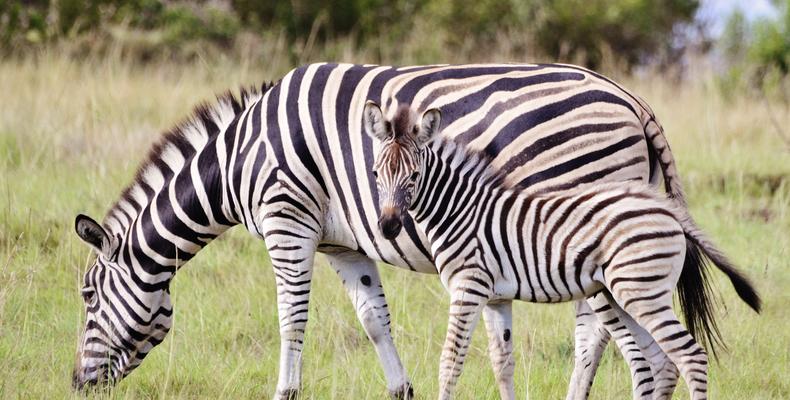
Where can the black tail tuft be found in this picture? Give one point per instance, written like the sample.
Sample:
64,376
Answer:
695,300
742,285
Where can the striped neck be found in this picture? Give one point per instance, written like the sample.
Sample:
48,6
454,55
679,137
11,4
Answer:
454,184
175,207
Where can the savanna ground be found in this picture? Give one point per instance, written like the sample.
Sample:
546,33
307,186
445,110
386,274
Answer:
72,133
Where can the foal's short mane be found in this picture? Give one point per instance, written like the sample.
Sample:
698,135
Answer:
403,123
207,119
455,153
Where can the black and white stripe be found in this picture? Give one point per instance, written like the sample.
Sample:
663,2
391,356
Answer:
291,163
493,244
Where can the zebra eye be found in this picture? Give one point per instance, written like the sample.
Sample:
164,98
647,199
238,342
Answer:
375,174
414,176
89,295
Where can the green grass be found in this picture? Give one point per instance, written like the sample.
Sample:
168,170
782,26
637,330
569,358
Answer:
72,133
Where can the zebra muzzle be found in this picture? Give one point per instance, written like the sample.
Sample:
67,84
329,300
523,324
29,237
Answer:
390,225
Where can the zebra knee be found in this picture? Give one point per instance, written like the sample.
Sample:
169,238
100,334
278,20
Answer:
666,381
293,319
292,334
376,325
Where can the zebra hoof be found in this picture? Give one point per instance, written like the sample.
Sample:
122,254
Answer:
405,392
287,394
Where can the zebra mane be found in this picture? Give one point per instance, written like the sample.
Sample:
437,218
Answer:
188,137
402,125
458,155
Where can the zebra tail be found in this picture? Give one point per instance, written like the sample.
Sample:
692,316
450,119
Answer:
694,291
659,145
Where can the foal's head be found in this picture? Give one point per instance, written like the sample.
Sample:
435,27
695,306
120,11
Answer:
398,163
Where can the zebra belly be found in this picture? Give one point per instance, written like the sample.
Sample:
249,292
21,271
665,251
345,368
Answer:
544,292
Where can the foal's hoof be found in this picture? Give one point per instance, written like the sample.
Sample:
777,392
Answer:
405,392
287,394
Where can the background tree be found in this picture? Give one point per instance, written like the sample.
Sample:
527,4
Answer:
582,31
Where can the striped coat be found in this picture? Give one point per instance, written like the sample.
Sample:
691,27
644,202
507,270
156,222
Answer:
290,162
493,243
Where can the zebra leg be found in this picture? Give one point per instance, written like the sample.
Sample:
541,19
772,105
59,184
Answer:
632,342
292,252
498,318
361,279
657,317
464,313
664,372
590,342
666,376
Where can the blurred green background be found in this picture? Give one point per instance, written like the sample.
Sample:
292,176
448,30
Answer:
748,37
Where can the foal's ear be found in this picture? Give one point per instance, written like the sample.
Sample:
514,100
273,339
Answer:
373,121
429,126
93,234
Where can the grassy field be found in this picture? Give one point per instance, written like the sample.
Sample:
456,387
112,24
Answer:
72,133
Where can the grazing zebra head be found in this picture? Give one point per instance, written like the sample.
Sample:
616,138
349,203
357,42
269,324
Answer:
397,168
123,322
170,211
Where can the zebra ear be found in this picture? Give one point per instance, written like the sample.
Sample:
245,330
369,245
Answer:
429,126
373,121
93,234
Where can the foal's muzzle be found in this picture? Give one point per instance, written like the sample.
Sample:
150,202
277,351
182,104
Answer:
390,225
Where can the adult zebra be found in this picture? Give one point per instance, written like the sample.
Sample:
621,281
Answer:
493,244
291,163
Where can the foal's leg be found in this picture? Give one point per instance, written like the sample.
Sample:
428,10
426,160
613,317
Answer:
596,323
464,312
664,372
633,342
498,318
651,307
361,279
590,341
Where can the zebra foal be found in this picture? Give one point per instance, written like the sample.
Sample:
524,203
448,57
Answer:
621,238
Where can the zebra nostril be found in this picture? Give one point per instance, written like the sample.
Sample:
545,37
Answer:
390,227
